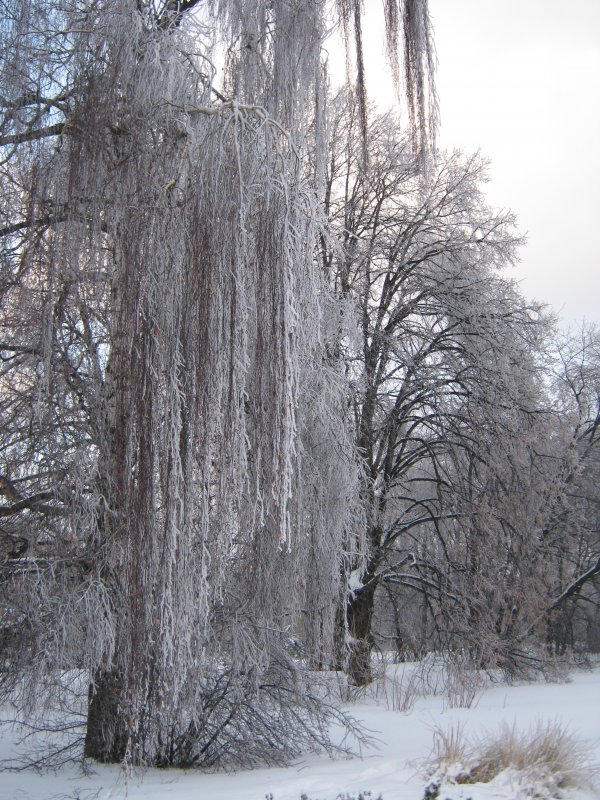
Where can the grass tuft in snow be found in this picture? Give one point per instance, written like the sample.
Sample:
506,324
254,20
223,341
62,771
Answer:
464,683
546,758
450,750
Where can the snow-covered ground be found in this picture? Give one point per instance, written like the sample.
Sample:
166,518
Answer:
394,769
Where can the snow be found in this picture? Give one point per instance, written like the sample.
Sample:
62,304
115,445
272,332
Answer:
394,768
355,579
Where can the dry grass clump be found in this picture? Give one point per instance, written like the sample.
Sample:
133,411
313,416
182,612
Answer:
547,749
546,757
404,689
464,683
450,747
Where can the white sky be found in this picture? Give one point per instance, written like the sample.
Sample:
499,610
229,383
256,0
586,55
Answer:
520,80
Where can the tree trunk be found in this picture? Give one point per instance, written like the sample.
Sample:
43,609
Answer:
360,614
106,735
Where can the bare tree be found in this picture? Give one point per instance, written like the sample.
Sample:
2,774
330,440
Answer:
447,402
571,535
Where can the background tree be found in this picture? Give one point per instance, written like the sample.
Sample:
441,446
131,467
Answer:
446,398
570,534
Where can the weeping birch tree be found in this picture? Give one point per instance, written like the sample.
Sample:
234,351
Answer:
179,480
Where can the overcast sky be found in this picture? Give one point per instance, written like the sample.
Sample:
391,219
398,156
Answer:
520,80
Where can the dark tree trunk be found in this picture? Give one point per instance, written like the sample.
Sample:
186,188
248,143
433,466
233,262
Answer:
106,735
360,615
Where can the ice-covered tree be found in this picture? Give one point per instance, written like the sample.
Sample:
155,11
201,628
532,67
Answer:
570,535
448,385
178,478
